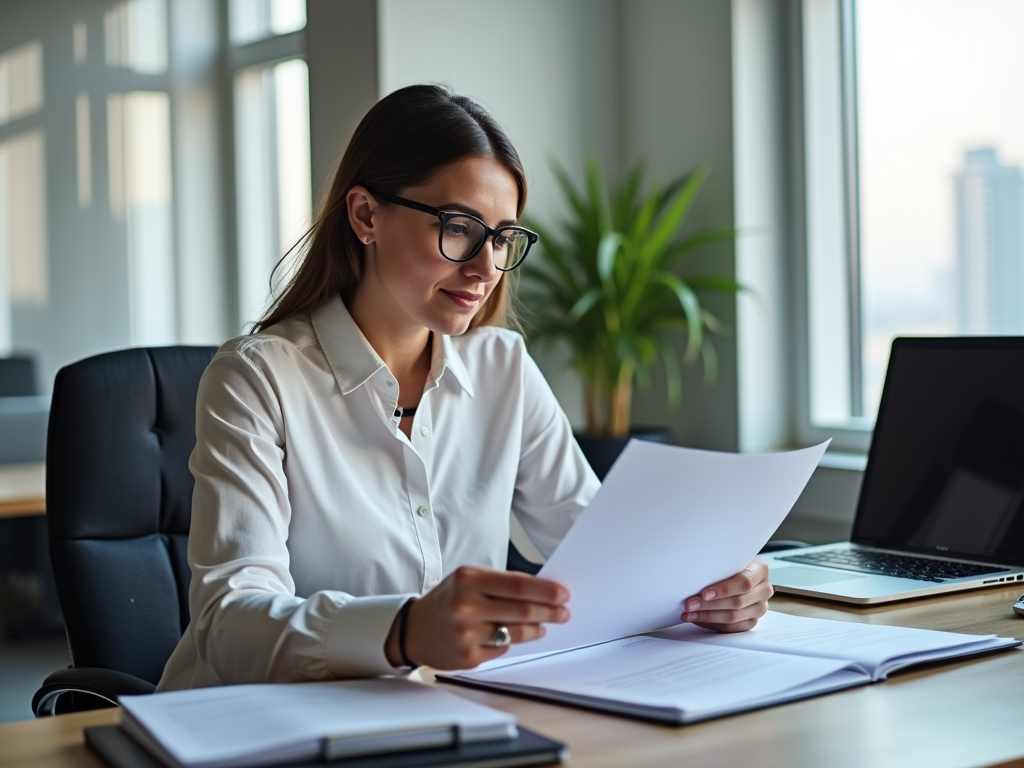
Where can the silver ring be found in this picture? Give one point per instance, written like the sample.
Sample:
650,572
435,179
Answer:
502,636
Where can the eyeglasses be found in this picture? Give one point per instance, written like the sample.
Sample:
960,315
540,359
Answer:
462,235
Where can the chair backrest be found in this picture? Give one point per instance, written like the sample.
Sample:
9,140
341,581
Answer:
119,503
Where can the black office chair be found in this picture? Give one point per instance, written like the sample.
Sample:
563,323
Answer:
23,412
119,502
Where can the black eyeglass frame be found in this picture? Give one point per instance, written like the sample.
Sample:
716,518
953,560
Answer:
443,216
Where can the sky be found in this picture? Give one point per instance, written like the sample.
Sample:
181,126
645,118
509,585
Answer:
935,78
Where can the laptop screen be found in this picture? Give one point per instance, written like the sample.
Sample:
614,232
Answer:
946,469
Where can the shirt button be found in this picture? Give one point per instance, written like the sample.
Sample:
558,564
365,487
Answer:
390,383
424,431
422,511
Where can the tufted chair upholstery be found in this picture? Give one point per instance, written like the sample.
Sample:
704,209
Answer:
119,501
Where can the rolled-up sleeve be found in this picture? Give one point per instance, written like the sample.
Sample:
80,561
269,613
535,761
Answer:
247,624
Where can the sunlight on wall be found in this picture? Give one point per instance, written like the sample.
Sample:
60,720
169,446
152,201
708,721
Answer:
21,81
253,20
139,153
135,36
24,272
83,150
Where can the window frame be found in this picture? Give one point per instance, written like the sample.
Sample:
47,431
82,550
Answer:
263,53
825,30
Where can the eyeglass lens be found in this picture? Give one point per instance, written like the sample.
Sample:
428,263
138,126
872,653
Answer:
462,237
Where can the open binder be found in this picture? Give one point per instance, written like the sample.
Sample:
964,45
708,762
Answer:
686,674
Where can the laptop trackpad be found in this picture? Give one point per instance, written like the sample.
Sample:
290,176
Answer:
795,576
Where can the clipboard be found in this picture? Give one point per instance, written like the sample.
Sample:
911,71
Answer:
119,750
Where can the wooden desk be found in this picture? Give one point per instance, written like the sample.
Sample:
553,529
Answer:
22,490
969,713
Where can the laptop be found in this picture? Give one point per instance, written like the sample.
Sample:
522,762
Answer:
941,507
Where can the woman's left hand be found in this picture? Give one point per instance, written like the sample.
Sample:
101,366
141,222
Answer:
733,605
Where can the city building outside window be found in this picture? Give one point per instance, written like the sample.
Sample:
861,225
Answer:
914,193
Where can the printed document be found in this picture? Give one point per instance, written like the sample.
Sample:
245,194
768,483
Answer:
667,522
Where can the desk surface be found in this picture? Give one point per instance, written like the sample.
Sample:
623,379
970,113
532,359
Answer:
969,713
22,490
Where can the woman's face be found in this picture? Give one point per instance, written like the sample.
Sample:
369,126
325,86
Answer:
410,283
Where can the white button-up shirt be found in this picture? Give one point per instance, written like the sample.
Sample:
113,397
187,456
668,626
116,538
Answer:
314,517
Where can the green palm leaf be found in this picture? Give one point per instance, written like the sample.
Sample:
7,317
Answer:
691,306
606,281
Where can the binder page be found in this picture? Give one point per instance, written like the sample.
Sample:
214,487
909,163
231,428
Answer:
667,522
649,672
877,649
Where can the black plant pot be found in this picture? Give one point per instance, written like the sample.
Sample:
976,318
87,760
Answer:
602,451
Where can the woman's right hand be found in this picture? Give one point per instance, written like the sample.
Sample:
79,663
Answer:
453,626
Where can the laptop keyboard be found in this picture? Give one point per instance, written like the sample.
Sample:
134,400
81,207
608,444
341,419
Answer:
886,564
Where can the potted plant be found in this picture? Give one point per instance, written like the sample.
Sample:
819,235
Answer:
610,284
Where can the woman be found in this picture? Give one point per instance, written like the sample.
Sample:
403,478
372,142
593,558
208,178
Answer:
357,457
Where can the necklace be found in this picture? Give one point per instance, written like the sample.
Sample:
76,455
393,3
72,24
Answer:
402,413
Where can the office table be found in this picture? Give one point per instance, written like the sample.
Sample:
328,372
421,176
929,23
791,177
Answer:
22,490
968,713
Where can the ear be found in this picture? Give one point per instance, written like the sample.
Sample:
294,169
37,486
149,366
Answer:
361,207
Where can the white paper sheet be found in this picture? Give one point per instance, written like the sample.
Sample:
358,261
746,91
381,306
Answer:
667,522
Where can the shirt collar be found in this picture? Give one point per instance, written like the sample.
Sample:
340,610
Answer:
354,361
447,357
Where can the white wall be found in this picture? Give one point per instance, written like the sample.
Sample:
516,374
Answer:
764,329
205,308
678,112
546,71
86,308
91,304
342,51
625,79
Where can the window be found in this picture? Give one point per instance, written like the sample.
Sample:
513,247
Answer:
914,149
134,36
273,187
253,20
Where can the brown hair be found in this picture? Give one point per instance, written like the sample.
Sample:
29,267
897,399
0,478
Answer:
403,141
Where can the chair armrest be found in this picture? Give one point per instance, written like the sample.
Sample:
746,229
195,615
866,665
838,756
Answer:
102,688
516,562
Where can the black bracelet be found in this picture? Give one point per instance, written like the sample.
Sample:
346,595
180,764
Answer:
403,619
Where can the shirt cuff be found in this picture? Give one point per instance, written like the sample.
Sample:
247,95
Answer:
355,642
